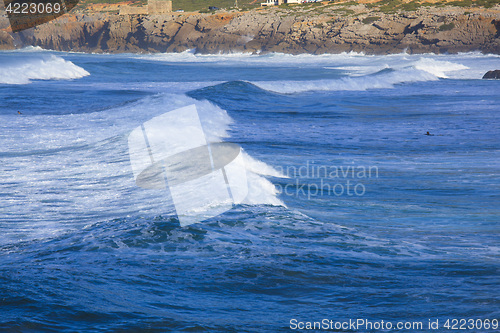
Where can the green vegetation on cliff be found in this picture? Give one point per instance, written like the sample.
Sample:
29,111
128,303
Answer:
342,7
203,5
186,5
386,6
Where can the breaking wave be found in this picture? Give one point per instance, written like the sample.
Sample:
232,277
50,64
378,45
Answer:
97,175
439,68
27,67
384,77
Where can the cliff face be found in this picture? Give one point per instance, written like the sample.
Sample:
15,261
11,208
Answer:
428,29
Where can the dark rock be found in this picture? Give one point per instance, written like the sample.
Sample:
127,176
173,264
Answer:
492,75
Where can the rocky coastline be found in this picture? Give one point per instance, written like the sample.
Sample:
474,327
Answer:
287,30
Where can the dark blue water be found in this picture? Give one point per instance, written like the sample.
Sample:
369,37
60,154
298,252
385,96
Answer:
374,219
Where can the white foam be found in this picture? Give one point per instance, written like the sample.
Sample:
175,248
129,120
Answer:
31,49
216,124
77,165
26,68
439,68
261,191
380,81
374,73
354,70
274,59
350,71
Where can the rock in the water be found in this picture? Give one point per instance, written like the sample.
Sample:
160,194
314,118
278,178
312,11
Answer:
492,75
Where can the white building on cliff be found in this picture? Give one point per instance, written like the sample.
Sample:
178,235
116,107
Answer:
278,2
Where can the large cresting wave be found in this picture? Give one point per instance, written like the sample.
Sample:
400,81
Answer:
77,166
28,67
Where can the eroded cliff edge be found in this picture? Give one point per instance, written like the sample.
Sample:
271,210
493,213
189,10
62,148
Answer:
428,29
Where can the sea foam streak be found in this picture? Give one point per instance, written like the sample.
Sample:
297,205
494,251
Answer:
29,67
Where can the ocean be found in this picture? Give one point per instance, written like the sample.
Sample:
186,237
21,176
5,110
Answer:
373,194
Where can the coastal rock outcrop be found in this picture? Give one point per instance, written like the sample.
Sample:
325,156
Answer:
492,75
429,29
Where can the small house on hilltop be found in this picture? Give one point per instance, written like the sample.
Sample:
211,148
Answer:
278,2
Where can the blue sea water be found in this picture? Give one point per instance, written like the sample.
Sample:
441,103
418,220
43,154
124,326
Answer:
353,211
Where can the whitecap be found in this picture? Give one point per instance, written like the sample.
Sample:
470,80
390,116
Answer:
24,69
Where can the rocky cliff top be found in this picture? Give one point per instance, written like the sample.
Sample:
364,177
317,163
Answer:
318,28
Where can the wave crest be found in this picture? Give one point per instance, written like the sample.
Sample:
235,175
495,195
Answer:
385,77
26,68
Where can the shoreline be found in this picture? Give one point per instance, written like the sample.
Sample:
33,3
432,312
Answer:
321,30
30,48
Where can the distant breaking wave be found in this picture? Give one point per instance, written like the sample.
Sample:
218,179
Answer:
425,69
28,67
379,81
